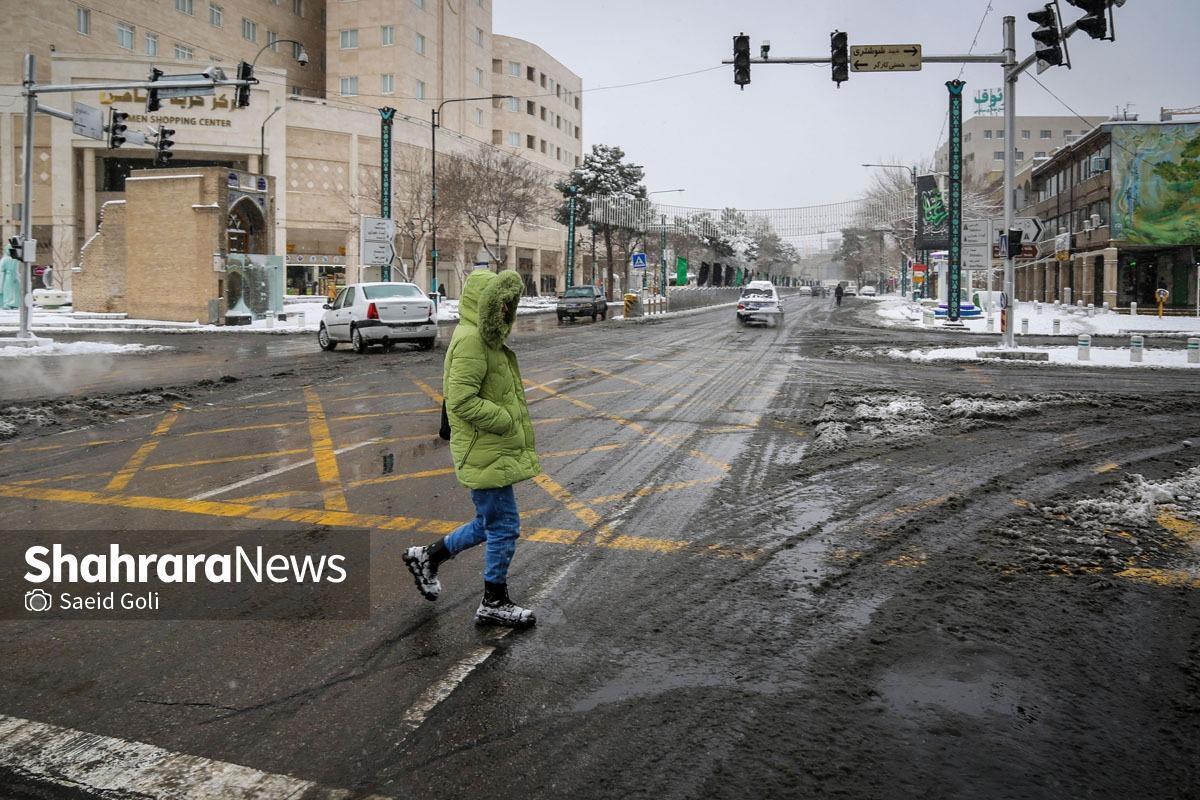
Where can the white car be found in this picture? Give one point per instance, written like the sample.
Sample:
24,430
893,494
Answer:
850,291
759,303
867,291
364,314
804,291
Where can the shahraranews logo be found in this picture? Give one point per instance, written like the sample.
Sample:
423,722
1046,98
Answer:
239,566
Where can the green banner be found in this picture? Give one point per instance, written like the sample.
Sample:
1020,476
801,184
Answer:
681,266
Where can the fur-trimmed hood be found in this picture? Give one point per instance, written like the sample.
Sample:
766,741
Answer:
484,295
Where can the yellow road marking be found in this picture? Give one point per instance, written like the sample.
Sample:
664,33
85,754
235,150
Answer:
1185,529
645,491
1162,577
75,445
707,459
563,495
1109,467
913,507
432,393
323,455
372,396
240,428
404,476
226,459
126,473
258,498
346,417
615,376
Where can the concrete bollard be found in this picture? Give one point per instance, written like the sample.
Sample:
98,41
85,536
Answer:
991,324
927,319
1084,343
1136,343
1106,308
1057,327
1037,309
1133,309
1066,292
1025,326
1193,350
269,319
1091,309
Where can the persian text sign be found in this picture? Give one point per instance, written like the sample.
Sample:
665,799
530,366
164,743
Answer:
885,57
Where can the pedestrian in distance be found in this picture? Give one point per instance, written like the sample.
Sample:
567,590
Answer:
837,294
442,290
491,443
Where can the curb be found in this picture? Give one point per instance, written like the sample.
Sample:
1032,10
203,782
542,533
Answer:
672,315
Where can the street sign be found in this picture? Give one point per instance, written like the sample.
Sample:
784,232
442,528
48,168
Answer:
638,261
976,257
376,237
1028,251
88,121
1030,227
976,232
885,57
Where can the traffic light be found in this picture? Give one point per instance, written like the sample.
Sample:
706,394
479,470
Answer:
14,248
741,60
116,128
839,49
162,147
1095,21
1014,242
152,103
246,73
1048,36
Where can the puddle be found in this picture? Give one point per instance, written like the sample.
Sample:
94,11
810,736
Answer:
914,694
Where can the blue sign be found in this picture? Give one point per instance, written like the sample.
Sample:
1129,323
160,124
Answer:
638,261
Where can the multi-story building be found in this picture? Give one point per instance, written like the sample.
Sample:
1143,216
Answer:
1122,217
314,129
1037,137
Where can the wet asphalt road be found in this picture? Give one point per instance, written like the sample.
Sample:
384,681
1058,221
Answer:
762,568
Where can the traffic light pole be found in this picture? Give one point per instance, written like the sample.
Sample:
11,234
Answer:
31,92
1008,335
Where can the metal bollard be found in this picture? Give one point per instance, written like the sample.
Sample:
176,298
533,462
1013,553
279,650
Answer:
1133,309
1025,326
1084,343
1193,350
1091,309
1136,343
1057,327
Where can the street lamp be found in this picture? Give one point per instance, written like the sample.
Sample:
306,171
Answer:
262,141
301,55
434,122
667,191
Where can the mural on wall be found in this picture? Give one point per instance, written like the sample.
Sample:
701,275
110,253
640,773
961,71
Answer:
1156,184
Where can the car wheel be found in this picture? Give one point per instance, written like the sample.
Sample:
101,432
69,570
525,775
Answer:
560,319
324,340
428,344
357,341
604,315
593,316
387,347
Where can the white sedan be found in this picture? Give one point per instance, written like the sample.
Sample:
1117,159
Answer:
759,303
364,314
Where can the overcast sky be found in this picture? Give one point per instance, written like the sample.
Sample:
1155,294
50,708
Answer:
791,138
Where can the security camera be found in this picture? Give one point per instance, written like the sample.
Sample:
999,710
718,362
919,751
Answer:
303,58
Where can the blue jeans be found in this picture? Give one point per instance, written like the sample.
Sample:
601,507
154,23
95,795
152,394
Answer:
496,522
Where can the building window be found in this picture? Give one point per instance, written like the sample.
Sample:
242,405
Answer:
83,20
558,153
576,102
420,44
273,41
542,76
216,15
348,39
577,136
478,77
348,85
514,139
530,74
514,69
1020,155
531,142
1000,134
478,116
987,134
125,35
1040,154
497,136
151,44
249,30
419,3
543,145
420,90
1066,134
298,7
183,52
1044,135
387,35
531,108
966,137
1026,134
543,113
513,104
186,7
998,155
387,83
477,37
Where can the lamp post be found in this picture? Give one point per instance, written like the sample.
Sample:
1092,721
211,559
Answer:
262,141
662,256
435,116
301,55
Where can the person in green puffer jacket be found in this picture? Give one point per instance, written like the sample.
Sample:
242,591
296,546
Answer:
491,443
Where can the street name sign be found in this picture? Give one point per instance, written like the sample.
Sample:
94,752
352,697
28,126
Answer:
377,235
88,121
976,257
885,57
976,232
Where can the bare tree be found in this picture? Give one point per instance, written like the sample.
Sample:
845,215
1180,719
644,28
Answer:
413,208
493,190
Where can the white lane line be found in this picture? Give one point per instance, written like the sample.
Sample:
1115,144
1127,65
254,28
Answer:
544,383
443,688
633,357
100,765
272,473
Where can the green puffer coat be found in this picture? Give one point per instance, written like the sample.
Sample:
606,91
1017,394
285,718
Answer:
491,436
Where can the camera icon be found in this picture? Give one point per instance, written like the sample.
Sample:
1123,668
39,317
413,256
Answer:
38,600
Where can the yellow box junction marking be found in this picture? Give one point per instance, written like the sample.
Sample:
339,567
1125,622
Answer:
126,473
323,455
1109,467
429,391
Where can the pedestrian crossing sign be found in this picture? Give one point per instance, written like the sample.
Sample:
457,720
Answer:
638,261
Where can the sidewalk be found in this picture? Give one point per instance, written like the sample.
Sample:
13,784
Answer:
898,312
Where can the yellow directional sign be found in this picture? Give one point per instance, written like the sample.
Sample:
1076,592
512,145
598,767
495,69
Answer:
885,57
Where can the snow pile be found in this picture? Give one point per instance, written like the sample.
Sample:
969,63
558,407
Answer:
1138,527
1065,356
32,417
448,309
79,349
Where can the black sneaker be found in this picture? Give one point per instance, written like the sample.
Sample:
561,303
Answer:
497,609
423,571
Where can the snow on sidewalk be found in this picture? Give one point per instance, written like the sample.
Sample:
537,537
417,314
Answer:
1066,356
78,349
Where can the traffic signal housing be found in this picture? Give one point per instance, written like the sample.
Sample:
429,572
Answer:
741,60
1048,37
1095,20
116,128
246,73
839,52
152,103
162,147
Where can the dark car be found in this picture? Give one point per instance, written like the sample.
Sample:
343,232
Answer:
582,301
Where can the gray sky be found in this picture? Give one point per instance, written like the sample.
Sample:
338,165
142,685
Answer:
791,138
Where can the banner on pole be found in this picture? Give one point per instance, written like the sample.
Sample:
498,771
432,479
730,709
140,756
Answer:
681,269
933,232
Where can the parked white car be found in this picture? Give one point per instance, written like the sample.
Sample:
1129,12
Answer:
759,303
867,291
804,291
364,314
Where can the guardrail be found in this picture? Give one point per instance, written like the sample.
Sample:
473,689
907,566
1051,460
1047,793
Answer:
687,297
